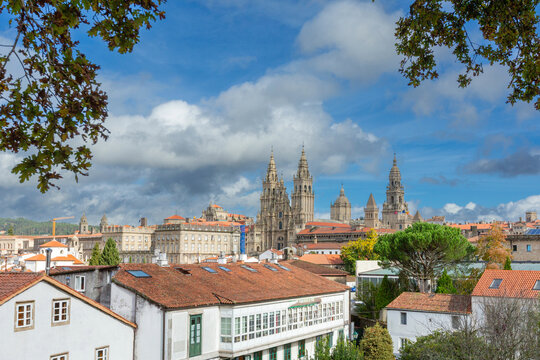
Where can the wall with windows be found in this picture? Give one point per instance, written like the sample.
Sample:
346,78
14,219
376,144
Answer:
95,284
408,325
244,329
44,328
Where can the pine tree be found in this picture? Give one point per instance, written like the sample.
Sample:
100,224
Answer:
388,290
445,284
507,264
377,344
110,255
95,259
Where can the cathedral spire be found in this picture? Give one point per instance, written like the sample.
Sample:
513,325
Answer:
303,170
342,191
271,173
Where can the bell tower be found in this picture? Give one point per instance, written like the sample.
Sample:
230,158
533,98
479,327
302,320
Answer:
303,197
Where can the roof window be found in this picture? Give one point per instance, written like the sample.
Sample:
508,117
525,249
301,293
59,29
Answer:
66,268
210,270
138,273
536,285
248,268
224,268
269,267
283,267
495,284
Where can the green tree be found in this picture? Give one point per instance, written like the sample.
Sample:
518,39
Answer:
445,284
344,350
360,249
510,37
373,298
110,255
95,259
507,264
377,344
388,290
465,281
51,98
322,350
10,230
423,250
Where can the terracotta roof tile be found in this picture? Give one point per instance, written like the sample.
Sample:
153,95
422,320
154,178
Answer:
53,243
316,269
186,286
441,303
328,224
62,269
12,283
322,259
515,284
324,245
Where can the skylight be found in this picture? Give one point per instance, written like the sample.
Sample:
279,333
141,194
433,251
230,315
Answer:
283,267
210,270
66,268
536,285
138,273
224,268
495,284
269,267
248,268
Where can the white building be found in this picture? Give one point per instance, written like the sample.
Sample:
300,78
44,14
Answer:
210,311
44,319
271,254
61,255
411,315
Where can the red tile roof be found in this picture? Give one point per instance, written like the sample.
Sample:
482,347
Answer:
440,303
328,224
324,245
38,257
53,243
63,270
186,286
175,217
315,268
13,283
322,259
514,284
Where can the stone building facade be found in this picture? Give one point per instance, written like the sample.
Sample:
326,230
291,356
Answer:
340,210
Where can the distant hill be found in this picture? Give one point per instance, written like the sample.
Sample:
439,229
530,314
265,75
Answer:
22,226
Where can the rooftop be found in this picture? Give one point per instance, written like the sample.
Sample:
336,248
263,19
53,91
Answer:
196,285
316,269
445,303
513,283
53,243
322,259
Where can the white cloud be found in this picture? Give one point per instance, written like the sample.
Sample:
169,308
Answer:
452,208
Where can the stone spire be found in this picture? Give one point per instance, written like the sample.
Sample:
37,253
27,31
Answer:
395,174
271,173
342,191
371,213
371,202
303,170
417,217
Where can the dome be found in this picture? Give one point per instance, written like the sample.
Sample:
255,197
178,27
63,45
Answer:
342,199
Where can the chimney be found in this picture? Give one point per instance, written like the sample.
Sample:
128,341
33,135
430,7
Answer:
144,221
48,261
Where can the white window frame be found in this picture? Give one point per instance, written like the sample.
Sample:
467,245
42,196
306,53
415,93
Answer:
104,355
63,356
63,315
403,316
78,283
27,309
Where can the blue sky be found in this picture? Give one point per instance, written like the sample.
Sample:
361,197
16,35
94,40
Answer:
195,109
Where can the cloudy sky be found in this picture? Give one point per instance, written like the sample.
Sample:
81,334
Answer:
196,108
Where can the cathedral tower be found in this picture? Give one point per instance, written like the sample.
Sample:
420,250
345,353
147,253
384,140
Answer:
83,225
103,223
303,197
395,209
340,210
371,213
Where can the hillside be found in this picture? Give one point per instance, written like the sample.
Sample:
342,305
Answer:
22,226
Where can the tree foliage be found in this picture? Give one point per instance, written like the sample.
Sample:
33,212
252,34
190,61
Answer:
507,264
95,259
445,284
493,248
110,255
344,350
423,250
377,344
373,298
510,37
465,281
51,103
360,249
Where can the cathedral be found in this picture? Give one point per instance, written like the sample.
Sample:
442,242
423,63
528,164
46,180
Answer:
281,218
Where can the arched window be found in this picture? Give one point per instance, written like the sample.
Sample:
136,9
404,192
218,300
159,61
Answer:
309,188
280,214
280,225
305,188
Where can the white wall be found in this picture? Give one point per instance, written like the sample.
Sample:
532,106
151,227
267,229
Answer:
88,329
418,324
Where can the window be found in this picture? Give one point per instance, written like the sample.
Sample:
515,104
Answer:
402,342
287,352
403,318
495,284
330,337
60,312
257,355
138,273
237,329
24,315
301,348
64,356
226,329
455,321
536,285
514,247
273,353
195,335
102,353
529,248
80,283
251,326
